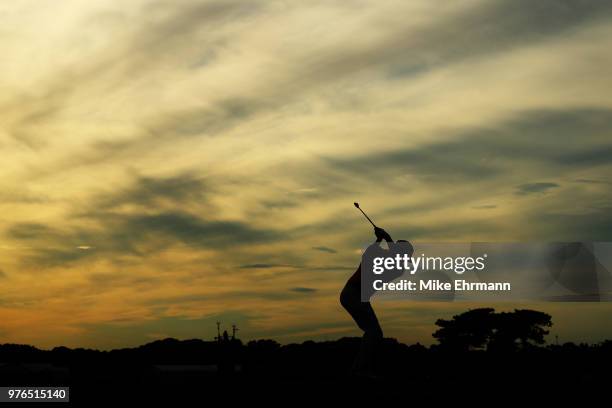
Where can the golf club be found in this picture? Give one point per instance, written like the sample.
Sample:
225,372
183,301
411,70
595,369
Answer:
364,214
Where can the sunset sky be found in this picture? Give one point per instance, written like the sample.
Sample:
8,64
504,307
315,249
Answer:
168,164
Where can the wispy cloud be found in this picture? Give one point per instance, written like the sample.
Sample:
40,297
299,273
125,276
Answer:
535,188
325,249
303,290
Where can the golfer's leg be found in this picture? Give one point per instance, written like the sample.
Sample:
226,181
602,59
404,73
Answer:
371,339
361,312
350,299
369,321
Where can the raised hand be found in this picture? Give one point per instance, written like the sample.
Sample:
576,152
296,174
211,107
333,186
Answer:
382,234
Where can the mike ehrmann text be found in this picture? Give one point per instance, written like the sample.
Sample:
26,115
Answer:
437,285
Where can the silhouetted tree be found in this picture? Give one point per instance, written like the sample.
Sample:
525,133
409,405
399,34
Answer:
469,330
480,328
520,328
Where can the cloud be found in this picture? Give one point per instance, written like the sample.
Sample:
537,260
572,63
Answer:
325,249
145,216
114,279
538,139
209,121
21,195
137,234
154,192
330,268
161,34
535,188
443,162
484,207
280,204
492,28
30,230
193,230
244,296
488,28
591,181
264,266
588,157
303,290
565,226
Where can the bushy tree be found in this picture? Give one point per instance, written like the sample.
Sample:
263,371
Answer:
469,330
483,328
520,328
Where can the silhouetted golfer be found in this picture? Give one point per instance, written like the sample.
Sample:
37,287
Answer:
364,315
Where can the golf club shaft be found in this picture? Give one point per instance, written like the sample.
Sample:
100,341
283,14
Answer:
365,215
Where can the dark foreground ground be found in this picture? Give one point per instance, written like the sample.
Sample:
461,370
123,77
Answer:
315,373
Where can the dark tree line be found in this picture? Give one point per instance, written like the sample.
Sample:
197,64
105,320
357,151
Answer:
485,329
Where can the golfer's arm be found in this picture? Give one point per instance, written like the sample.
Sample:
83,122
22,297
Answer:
379,240
389,240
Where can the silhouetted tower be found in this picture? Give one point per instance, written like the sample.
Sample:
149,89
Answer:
218,338
234,330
